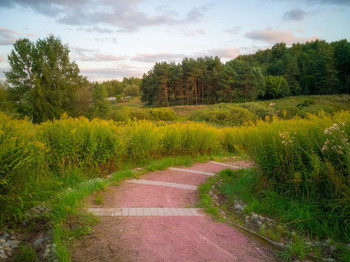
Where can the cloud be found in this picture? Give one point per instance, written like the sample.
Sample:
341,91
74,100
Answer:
295,14
275,36
97,29
195,32
123,14
99,74
331,2
235,30
153,58
224,52
321,2
82,54
9,37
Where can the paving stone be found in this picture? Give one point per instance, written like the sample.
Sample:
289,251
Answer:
192,171
153,211
224,164
145,211
160,183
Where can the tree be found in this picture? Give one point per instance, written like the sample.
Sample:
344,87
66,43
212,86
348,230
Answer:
131,90
276,87
100,106
43,81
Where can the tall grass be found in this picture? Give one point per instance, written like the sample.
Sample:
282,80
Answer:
306,160
303,159
37,161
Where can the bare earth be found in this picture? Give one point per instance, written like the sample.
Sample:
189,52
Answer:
165,238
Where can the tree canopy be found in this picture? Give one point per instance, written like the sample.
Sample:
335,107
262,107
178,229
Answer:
315,67
44,83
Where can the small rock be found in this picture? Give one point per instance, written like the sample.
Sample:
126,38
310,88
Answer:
3,256
2,240
5,244
9,254
259,222
8,249
13,237
2,251
255,216
328,260
15,242
238,206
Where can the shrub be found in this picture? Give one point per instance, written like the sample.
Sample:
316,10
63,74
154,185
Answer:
162,113
22,166
304,159
224,115
260,109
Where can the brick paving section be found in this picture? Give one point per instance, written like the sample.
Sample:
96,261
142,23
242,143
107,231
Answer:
192,171
160,183
224,164
152,211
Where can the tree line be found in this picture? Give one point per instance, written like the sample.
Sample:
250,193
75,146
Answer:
315,67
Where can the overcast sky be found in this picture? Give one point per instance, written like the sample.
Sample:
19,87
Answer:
110,39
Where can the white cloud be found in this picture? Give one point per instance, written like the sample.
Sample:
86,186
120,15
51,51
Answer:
100,74
157,57
275,36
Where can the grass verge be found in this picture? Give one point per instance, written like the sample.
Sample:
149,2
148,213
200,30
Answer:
301,225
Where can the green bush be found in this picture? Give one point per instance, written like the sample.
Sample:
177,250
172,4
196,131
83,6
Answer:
162,113
305,160
125,114
260,109
22,166
314,109
224,115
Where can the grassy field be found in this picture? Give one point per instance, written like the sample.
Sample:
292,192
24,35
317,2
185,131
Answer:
222,114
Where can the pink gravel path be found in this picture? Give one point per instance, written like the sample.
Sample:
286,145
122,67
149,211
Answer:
173,238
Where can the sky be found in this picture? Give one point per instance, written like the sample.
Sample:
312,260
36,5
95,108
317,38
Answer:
112,39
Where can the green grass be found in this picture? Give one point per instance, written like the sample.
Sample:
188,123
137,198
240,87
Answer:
293,105
298,220
25,253
205,200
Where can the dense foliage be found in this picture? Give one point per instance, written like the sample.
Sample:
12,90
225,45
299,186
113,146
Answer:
305,159
44,82
315,67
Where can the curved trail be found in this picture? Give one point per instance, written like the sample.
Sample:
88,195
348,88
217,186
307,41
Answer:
153,219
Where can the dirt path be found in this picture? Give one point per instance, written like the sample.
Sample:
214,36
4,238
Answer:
154,219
